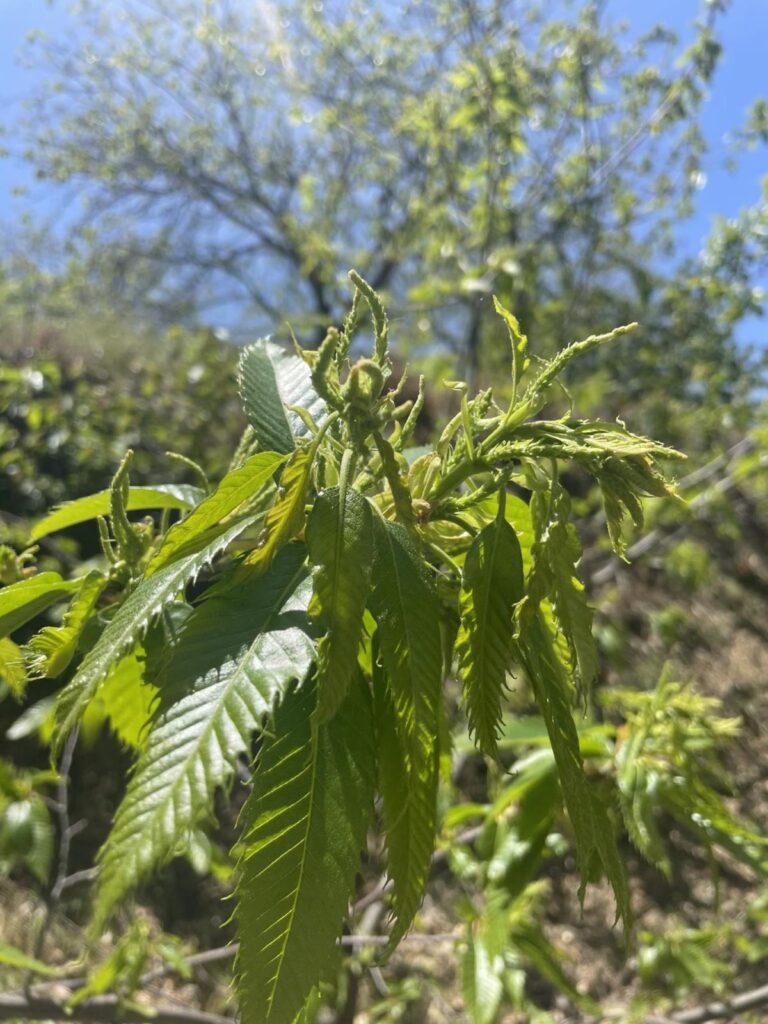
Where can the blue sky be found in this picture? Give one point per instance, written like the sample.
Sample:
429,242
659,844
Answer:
742,76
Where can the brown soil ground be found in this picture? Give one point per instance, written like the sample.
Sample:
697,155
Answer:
724,649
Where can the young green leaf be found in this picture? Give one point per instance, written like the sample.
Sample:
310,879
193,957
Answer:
594,832
171,496
129,624
257,384
285,519
13,671
305,826
217,688
481,979
127,699
13,957
401,496
535,395
50,651
492,584
26,836
554,578
530,940
237,487
569,601
339,545
518,342
407,613
407,783
123,968
22,601
638,798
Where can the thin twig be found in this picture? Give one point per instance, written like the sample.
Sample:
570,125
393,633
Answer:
377,893
86,875
66,831
100,1010
221,953
723,1008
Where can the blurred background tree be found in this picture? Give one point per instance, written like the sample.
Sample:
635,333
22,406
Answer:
235,159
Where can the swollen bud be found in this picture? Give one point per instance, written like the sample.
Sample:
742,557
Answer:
364,384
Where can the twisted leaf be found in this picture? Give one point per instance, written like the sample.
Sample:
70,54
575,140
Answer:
50,651
285,519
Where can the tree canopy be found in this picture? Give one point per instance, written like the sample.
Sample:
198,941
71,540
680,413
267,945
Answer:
241,157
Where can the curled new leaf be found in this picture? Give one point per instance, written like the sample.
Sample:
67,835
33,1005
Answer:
285,519
50,651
